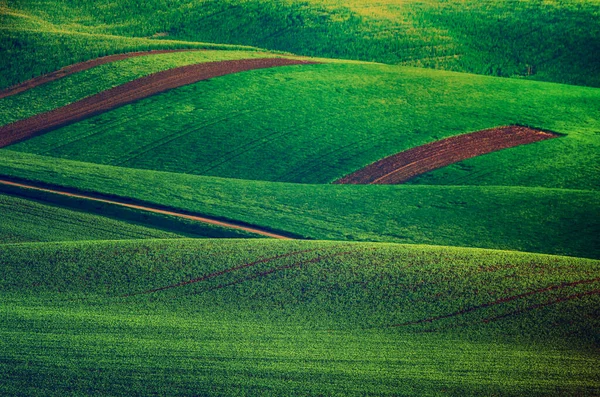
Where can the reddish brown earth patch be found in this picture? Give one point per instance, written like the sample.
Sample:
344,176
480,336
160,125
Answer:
131,92
403,166
77,67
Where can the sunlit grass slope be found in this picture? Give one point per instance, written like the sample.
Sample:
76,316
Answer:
317,123
547,40
559,221
100,78
181,317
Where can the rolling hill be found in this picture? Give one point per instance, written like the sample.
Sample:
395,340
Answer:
149,149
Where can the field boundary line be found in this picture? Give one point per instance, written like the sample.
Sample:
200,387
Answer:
150,208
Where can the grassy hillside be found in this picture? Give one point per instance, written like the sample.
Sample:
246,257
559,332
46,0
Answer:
317,123
26,220
559,221
100,78
549,40
298,318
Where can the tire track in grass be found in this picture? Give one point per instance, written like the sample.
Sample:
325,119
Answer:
275,270
157,210
220,272
79,67
130,92
498,302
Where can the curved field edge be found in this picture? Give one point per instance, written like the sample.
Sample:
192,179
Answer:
130,92
25,220
487,217
315,124
408,164
83,83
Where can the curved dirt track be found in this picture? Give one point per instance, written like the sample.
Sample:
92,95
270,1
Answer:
403,166
131,92
150,209
78,67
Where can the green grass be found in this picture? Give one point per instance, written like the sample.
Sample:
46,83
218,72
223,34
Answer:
100,78
545,40
559,221
317,123
26,220
314,322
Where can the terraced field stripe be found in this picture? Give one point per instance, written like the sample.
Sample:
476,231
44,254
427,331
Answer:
79,67
130,92
498,302
221,272
403,166
197,218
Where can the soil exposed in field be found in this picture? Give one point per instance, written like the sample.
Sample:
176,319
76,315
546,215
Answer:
78,67
131,92
403,166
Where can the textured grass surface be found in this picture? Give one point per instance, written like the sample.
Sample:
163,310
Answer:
83,84
549,40
317,123
26,220
559,221
294,318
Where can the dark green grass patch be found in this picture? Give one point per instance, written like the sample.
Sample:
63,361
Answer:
31,215
307,318
558,221
317,123
26,220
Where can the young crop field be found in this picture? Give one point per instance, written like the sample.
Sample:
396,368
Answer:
545,40
318,123
26,220
183,317
299,198
559,221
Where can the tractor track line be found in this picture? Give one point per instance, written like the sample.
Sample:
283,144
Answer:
225,224
79,67
497,302
130,92
220,272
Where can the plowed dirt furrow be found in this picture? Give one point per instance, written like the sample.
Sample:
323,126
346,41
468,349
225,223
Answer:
499,301
131,92
215,222
78,67
405,165
222,272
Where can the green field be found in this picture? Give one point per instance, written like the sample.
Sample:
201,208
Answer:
550,40
317,123
294,318
481,278
559,221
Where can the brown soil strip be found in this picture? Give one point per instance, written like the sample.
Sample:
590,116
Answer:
131,92
497,302
152,209
221,272
77,67
403,166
